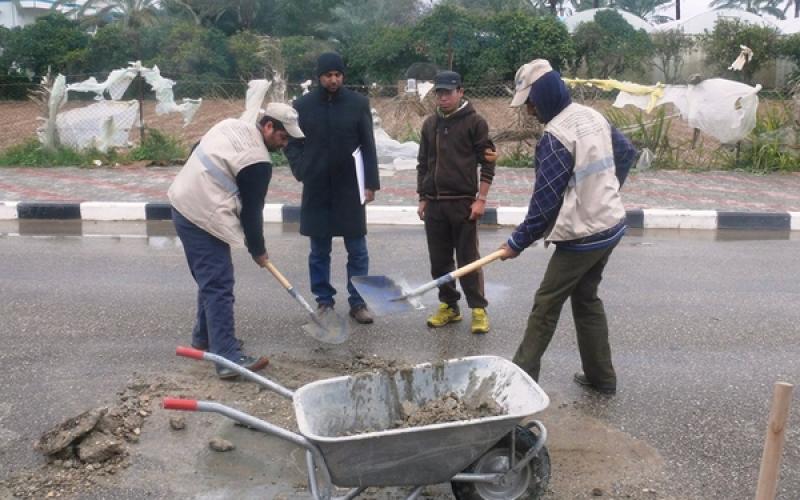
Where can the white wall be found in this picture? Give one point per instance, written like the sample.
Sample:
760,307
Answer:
9,17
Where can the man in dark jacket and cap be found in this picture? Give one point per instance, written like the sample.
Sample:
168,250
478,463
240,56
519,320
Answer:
581,162
336,122
455,168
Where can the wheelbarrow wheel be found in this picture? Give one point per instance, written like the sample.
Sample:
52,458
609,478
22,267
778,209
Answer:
529,484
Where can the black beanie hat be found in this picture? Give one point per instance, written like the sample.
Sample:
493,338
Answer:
329,61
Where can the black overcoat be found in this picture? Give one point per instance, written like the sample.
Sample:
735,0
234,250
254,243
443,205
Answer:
334,126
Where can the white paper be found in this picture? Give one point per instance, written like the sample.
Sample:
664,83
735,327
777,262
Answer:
359,158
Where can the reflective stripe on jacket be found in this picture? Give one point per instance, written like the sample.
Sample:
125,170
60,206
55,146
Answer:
591,202
205,190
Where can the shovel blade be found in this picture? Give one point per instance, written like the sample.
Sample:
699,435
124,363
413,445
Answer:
384,295
329,327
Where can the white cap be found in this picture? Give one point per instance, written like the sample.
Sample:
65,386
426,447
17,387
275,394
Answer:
527,74
287,115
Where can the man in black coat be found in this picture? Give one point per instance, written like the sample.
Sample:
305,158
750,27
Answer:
336,121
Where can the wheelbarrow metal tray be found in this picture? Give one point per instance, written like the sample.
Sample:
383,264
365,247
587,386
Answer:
329,410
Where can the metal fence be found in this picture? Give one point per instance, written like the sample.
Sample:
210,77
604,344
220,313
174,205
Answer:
401,114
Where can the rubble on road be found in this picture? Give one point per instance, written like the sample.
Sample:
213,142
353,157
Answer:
82,449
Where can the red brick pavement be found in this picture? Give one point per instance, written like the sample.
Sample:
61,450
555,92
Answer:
729,191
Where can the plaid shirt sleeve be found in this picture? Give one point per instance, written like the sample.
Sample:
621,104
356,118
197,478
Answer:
554,166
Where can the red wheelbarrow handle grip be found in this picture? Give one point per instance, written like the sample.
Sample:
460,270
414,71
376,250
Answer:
189,352
180,404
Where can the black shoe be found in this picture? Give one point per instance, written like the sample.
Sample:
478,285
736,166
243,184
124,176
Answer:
251,363
361,314
581,379
324,307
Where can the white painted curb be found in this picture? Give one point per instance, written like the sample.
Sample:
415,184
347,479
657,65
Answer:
107,210
392,215
657,218
8,210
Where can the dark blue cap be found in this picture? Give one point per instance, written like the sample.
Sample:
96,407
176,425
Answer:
447,80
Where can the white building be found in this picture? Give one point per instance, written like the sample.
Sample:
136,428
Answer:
18,13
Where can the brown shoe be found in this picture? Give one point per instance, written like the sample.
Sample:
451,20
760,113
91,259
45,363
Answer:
361,314
580,379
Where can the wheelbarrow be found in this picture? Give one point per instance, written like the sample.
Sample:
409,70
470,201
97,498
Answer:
346,429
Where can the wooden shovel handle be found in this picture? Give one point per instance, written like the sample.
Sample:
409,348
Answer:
461,271
278,276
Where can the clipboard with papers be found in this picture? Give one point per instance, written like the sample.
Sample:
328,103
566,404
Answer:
359,162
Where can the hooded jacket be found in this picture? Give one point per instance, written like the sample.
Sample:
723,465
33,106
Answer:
451,149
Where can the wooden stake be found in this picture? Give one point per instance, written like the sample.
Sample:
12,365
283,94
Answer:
773,446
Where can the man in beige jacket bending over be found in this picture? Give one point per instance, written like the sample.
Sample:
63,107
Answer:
218,202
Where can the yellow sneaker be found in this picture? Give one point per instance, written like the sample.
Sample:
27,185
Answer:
480,320
443,316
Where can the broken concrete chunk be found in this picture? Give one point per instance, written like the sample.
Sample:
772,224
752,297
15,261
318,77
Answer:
219,444
69,431
177,423
98,447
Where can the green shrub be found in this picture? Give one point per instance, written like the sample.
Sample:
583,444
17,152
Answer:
160,148
610,46
771,147
722,47
648,131
410,134
521,156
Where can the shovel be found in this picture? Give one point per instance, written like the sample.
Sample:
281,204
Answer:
330,327
385,295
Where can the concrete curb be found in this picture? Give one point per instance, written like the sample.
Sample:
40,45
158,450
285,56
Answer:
648,218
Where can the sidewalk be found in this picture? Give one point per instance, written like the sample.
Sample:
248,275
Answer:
668,199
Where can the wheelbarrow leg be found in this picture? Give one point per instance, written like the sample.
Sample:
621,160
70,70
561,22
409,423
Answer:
326,492
533,451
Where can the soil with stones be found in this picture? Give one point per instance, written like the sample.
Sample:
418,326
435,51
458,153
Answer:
447,408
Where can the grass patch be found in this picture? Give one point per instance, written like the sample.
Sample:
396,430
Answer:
158,148
31,154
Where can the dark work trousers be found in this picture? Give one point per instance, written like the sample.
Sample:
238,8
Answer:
575,275
449,230
210,262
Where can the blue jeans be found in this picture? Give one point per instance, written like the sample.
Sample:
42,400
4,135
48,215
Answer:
319,268
210,262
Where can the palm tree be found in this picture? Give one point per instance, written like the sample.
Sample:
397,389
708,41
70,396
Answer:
790,3
641,8
551,5
131,13
771,7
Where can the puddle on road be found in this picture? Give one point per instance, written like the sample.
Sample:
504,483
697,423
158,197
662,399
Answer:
164,230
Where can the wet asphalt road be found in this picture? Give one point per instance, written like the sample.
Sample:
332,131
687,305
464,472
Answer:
702,326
